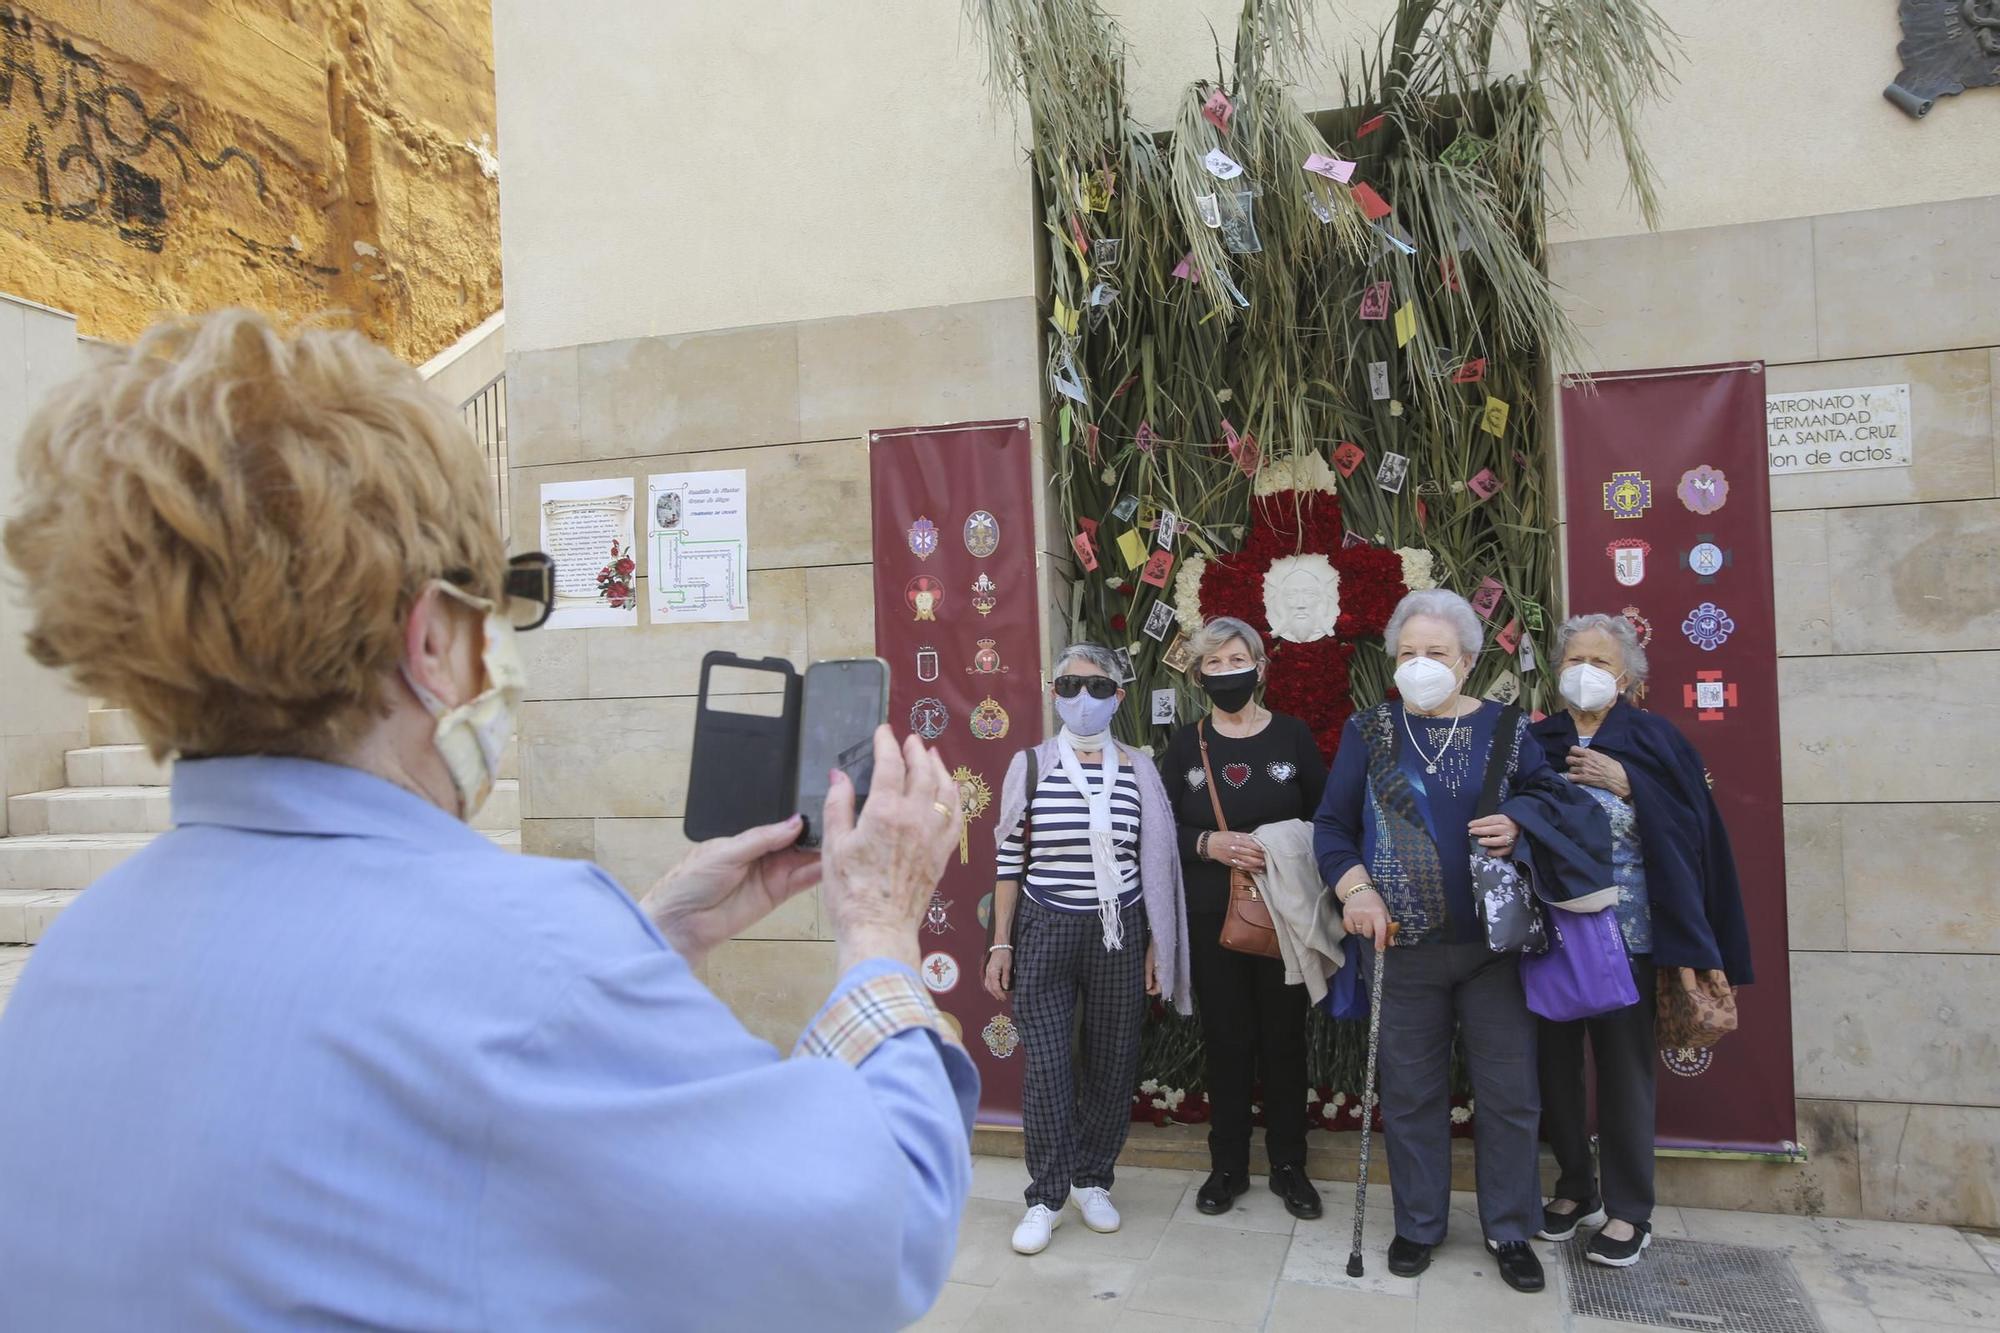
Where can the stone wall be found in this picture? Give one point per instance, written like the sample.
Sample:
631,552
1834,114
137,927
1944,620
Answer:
296,156
1888,605
606,733
40,717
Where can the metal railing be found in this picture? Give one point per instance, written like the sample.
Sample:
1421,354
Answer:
486,414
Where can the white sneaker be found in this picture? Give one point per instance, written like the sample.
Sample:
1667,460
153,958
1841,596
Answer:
1095,1205
1032,1236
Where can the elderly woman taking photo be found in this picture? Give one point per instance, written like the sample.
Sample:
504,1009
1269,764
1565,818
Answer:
1258,767
324,1056
1395,837
1086,914
1679,906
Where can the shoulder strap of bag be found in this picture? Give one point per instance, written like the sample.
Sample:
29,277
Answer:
1214,800
1496,759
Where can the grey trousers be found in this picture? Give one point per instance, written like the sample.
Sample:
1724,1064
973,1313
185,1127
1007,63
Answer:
1429,991
1627,1065
1075,1122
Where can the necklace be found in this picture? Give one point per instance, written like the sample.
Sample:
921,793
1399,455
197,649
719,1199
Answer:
1430,764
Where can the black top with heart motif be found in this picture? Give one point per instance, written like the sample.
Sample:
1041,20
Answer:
1274,775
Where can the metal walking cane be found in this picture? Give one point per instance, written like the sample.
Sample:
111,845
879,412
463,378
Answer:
1354,1266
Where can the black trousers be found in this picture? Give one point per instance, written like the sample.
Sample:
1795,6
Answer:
1252,1025
1627,1066
1075,1120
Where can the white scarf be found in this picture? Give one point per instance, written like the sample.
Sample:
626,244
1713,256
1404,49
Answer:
1103,840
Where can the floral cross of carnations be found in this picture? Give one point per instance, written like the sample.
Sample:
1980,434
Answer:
1296,568
614,581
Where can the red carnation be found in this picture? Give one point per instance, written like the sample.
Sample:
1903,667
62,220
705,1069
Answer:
1118,621
620,591
624,566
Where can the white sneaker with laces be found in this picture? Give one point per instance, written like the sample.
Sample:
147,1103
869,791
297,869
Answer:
1095,1205
1032,1236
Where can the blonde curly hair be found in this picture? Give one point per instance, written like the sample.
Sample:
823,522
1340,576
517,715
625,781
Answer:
222,528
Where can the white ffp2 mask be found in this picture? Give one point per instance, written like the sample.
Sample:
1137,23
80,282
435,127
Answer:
1426,682
1589,688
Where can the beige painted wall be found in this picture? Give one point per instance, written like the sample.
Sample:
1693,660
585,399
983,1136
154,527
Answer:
1888,624
40,717
673,168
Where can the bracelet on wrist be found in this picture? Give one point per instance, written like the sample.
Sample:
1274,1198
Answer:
1201,846
1355,891
992,949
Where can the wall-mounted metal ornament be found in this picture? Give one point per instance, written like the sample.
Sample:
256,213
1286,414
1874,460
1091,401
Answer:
1948,46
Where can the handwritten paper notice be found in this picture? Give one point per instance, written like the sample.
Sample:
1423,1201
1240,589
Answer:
698,533
1333,168
587,530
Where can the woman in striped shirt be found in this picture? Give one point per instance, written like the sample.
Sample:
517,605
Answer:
1087,908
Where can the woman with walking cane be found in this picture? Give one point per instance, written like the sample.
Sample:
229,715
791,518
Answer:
1405,813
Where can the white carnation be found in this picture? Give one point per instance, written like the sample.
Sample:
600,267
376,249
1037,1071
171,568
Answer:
1187,592
1295,472
1417,571
1150,1086
1460,1114
1312,1097
1159,1103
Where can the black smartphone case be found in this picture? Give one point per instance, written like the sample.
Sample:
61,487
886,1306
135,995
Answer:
744,769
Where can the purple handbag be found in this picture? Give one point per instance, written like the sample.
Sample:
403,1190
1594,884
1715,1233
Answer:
1584,973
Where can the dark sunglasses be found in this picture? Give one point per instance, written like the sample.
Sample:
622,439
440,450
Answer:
527,591
1100,687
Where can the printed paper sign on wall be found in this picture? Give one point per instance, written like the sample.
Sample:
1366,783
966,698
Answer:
698,537
587,531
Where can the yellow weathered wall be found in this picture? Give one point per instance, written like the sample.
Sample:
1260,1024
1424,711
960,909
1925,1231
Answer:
298,156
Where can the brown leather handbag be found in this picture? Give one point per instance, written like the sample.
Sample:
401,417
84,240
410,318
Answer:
1696,1009
1246,925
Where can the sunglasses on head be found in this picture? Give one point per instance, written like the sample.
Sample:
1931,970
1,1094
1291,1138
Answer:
1100,687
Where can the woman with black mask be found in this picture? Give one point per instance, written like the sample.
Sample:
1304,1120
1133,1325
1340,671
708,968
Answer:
1266,769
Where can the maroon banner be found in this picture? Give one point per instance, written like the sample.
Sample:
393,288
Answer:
957,620
1669,512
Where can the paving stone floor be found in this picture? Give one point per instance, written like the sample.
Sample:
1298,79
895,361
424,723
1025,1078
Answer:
1170,1269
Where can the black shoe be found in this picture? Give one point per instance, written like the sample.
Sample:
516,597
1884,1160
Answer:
1407,1258
1219,1193
1619,1253
1519,1268
1562,1226
1301,1199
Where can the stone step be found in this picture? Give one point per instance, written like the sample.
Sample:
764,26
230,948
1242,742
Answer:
90,810
13,957
26,913
43,861
115,766
113,726
510,759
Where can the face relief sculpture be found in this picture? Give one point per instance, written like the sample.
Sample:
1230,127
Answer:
1302,598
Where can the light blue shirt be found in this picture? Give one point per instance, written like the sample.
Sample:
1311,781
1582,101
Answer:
322,1056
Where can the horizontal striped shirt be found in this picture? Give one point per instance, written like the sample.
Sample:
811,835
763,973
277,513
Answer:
1059,871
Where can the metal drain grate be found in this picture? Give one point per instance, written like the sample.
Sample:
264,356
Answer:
1690,1284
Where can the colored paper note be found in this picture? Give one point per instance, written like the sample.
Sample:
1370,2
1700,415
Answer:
1144,439
1509,638
1486,598
1471,372
1218,110
1089,525
1494,419
1347,456
1372,204
1333,168
1097,191
1132,548
1077,235
1375,301
1157,568
1086,550
1248,455
1186,270
1221,165
1483,484
1065,318
1448,270
1090,434
1505,690
1406,324
1369,126
1465,150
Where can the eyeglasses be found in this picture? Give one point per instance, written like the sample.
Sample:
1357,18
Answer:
527,590
1100,687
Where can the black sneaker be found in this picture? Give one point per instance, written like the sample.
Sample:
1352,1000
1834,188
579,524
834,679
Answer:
1519,1268
1560,1227
1219,1193
1619,1253
1407,1258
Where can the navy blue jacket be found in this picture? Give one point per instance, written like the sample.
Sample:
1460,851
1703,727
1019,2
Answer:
1697,901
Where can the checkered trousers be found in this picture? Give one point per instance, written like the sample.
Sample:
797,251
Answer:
1075,1112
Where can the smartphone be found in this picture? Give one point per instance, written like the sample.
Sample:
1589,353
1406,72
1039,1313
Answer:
842,704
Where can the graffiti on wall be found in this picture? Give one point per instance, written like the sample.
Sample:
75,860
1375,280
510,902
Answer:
95,149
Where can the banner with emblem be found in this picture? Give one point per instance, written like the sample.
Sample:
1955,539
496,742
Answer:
1668,505
957,621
